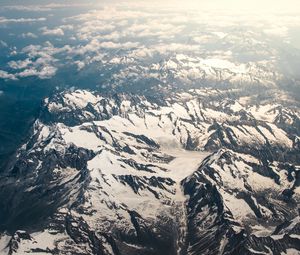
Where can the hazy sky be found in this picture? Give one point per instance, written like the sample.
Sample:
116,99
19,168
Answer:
236,5
250,5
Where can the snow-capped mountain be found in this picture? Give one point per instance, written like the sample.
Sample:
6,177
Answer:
204,171
183,70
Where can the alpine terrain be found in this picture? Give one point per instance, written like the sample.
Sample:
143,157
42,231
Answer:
203,171
149,127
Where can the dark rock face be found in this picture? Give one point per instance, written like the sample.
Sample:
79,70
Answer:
212,229
36,187
207,220
186,175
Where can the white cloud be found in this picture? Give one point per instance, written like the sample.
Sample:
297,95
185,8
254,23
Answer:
54,31
117,35
36,8
67,27
80,65
114,36
92,46
13,52
41,61
20,64
175,47
110,14
45,50
45,72
41,7
230,6
7,76
3,44
113,45
29,35
95,45
277,31
94,28
4,20
141,52
154,27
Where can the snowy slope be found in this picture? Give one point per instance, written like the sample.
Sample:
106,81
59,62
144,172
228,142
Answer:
197,172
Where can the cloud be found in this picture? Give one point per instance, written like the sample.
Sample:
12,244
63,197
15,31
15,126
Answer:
40,61
45,50
95,45
28,35
109,14
3,44
4,20
115,23
277,31
67,27
154,27
230,6
41,7
138,38
114,36
113,45
92,28
92,46
55,31
141,53
41,67
7,76
46,72
80,65
20,64
13,52
30,8
175,47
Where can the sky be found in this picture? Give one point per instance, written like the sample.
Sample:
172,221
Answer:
247,5
232,5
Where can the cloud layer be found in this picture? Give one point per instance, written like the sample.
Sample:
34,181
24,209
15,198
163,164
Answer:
134,41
